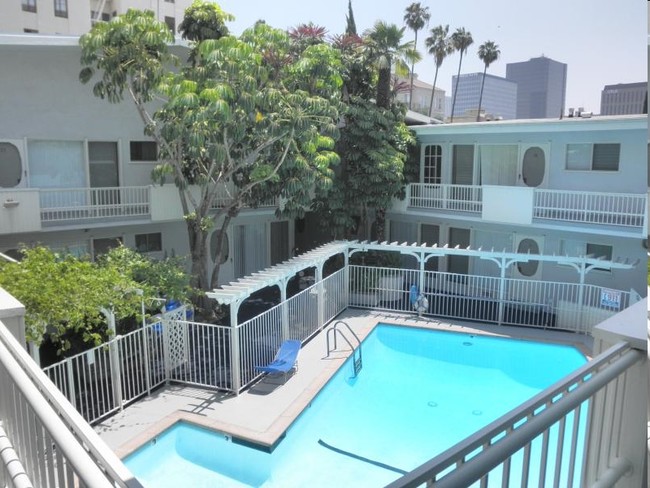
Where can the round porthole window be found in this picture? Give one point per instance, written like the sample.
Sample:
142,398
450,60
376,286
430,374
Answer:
528,246
11,166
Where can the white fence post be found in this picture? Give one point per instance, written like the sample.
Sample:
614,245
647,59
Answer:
321,295
235,353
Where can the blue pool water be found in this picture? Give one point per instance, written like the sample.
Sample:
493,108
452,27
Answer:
419,392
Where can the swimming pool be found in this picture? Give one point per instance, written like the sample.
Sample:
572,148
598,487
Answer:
419,392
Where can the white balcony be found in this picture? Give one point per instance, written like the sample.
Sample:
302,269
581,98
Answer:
33,209
524,205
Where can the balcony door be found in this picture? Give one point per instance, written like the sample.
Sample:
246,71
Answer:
533,166
104,175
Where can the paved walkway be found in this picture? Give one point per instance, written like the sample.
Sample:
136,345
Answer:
264,412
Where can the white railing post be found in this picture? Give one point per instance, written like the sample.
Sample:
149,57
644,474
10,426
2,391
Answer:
346,279
285,310
72,388
321,295
114,358
235,352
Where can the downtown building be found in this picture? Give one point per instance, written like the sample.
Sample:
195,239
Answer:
499,96
541,87
624,99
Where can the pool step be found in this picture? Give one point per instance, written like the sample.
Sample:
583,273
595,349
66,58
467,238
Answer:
356,350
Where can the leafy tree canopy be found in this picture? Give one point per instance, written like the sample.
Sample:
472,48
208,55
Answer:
254,115
64,294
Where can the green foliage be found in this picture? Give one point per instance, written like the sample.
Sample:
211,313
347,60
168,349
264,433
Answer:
373,147
203,21
257,113
129,53
63,295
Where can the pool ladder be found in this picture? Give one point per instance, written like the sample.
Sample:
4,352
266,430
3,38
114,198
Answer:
356,351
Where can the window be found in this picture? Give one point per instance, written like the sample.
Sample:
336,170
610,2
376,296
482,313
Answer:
148,242
593,157
458,264
171,23
29,5
579,248
61,8
602,251
144,151
432,164
102,246
169,1
30,31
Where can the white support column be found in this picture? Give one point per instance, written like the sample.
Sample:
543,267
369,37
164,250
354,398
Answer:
346,277
235,353
321,294
502,289
114,359
285,309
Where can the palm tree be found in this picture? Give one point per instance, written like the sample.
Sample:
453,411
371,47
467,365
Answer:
416,17
461,40
488,52
439,45
385,47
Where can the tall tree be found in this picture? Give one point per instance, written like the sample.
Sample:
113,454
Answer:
416,17
373,147
252,115
385,48
439,45
461,40
488,52
350,25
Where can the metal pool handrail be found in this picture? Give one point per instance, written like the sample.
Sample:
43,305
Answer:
505,436
92,460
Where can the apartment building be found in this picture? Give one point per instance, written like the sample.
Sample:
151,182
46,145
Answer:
76,17
75,171
624,98
422,97
569,187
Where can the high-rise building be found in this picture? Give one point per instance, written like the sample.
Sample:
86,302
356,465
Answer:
76,17
623,98
541,87
499,95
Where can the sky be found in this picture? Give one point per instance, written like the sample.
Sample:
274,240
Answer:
602,41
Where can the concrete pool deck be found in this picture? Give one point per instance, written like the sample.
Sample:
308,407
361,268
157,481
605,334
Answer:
264,412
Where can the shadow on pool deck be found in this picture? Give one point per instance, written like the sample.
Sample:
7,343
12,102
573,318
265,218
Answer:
263,413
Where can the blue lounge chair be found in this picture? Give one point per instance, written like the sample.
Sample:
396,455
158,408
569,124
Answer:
285,360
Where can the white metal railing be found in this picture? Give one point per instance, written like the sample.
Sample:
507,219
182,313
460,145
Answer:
541,442
104,379
590,207
567,306
620,209
72,204
461,198
55,446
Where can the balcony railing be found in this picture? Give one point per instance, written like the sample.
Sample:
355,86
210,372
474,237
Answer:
461,198
617,209
588,207
75,204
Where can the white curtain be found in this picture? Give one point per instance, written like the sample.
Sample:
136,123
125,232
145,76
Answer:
250,249
498,165
56,164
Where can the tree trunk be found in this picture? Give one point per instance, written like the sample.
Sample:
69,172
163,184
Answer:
480,98
433,92
383,88
412,68
380,224
453,103
214,280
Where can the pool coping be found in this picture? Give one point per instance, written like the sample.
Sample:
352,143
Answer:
269,438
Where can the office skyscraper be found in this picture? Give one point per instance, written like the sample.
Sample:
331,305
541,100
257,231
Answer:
499,95
623,98
541,87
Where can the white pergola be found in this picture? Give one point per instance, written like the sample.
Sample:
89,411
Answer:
234,293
